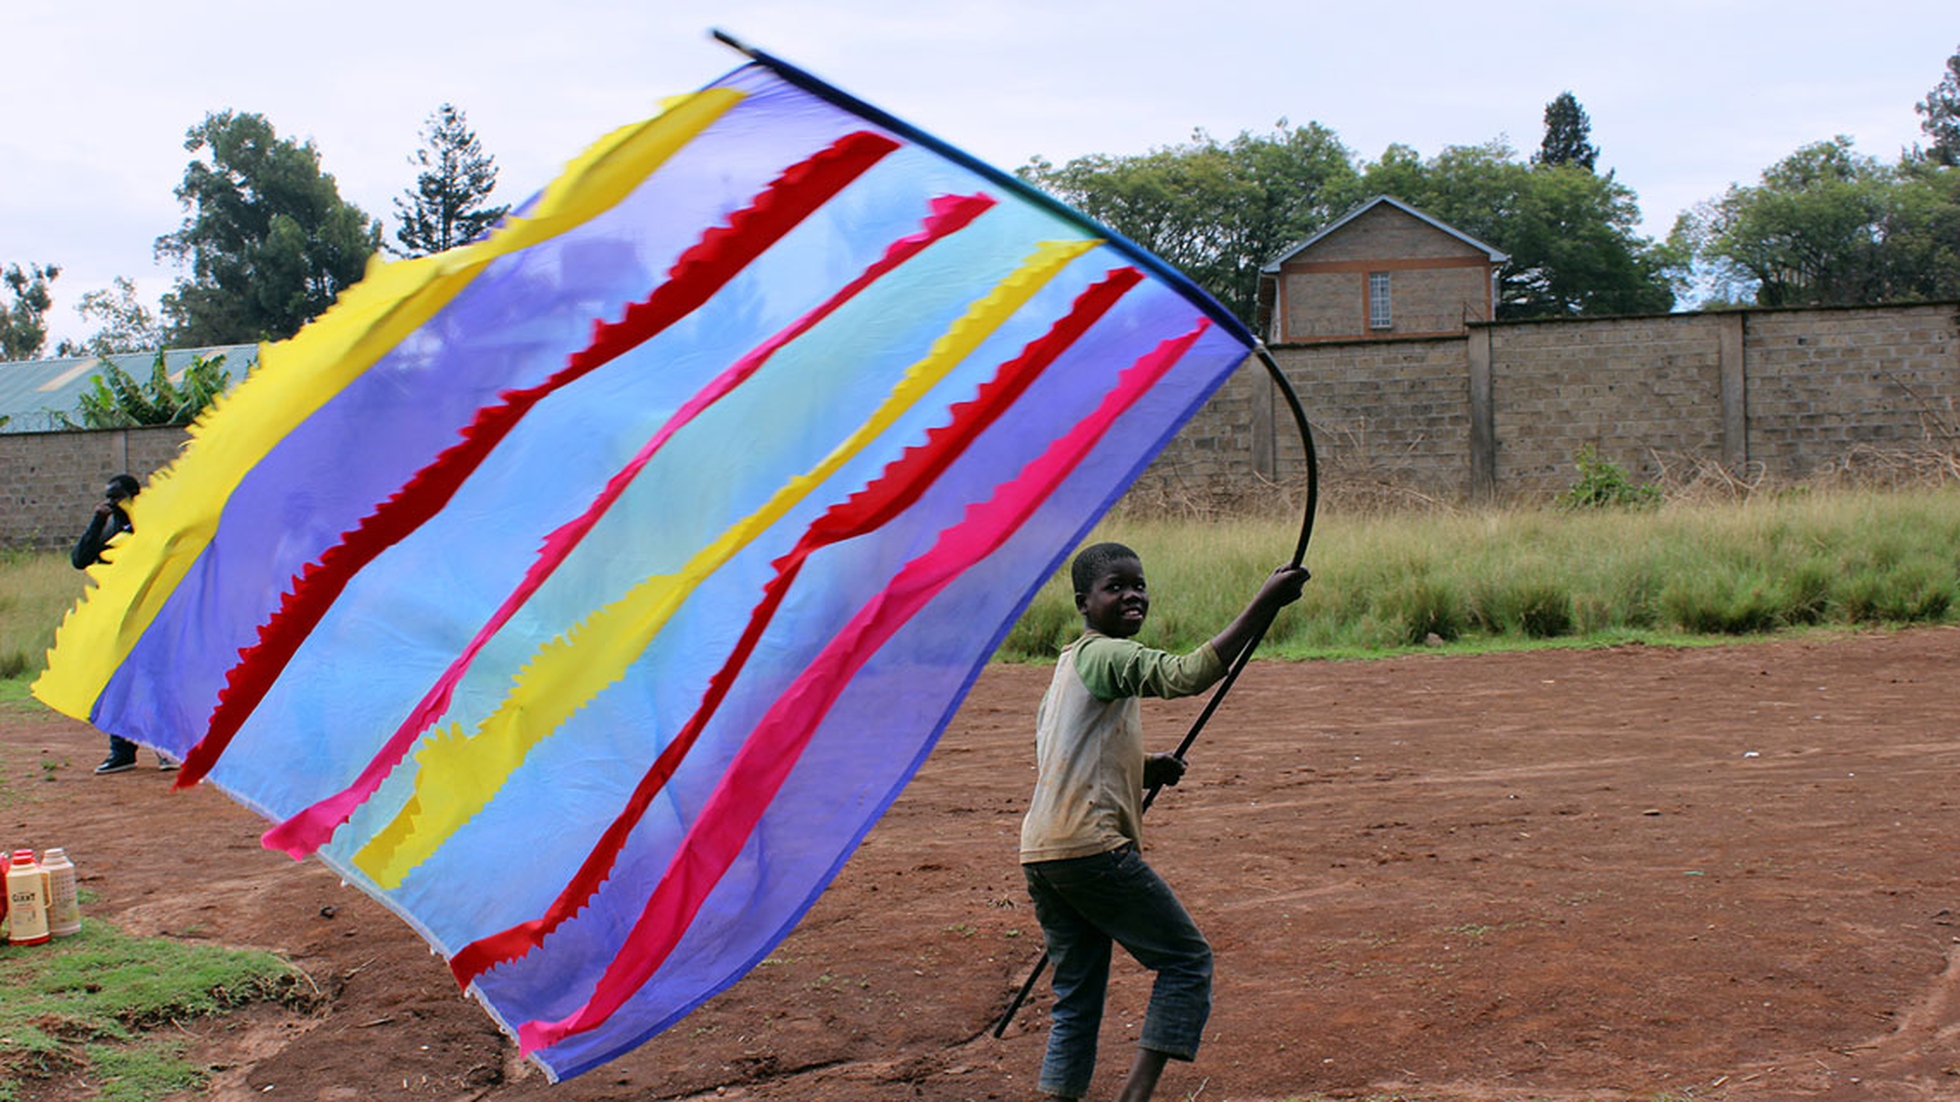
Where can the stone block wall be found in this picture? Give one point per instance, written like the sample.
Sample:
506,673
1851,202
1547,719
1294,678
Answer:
1823,383
50,482
1209,460
1640,390
1502,411
1383,412
1498,413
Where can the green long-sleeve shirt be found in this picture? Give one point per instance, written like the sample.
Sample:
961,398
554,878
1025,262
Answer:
1088,795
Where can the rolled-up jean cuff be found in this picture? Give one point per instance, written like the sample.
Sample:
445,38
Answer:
1174,1052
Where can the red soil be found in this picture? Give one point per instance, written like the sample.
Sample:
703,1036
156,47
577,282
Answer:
1726,873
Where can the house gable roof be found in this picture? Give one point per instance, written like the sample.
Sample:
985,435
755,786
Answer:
1272,267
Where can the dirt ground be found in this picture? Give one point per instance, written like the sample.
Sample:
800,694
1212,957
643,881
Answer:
1715,874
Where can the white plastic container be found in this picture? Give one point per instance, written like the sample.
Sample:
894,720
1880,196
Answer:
64,912
27,901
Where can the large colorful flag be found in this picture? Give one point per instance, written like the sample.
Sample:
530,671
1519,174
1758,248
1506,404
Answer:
585,593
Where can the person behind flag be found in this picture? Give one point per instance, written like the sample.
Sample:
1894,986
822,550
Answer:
111,519
1081,838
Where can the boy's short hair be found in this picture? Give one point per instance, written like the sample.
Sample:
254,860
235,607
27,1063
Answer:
123,486
1092,561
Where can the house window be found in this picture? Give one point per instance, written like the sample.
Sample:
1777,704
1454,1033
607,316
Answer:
1380,313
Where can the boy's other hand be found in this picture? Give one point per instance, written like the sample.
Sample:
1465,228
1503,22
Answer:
1162,770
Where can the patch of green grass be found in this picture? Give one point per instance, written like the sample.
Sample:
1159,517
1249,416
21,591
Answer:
87,1005
139,1074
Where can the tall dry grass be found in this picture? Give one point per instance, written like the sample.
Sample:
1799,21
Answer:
36,591
1390,580
1385,581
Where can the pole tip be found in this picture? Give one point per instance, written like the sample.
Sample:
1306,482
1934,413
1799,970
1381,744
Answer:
730,41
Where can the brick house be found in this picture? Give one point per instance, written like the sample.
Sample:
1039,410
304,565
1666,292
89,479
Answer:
1384,270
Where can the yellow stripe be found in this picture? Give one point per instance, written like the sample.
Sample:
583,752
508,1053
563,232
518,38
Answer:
178,513
457,775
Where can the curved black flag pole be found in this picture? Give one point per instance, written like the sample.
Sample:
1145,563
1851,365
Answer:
1144,259
1239,663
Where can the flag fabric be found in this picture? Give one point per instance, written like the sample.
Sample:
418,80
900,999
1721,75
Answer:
585,593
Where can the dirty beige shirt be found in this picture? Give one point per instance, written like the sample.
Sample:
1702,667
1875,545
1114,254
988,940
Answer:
1088,743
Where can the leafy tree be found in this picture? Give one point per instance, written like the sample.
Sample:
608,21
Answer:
116,400
1941,111
1576,250
1571,236
23,322
1568,135
1220,210
268,240
1216,210
123,323
1826,225
1924,229
1400,173
445,207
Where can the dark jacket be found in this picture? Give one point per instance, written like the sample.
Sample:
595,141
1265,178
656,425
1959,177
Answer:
102,528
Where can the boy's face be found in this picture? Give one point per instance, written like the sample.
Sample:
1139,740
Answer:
1117,603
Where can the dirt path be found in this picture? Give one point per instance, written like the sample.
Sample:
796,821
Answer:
1563,875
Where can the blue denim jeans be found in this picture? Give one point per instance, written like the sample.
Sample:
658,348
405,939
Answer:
1088,904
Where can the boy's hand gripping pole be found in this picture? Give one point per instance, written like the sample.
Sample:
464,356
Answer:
1286,391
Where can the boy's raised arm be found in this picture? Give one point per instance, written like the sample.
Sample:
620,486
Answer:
1281,588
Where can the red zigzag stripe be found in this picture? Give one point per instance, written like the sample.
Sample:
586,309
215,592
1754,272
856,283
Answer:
894,491
704,269
765,761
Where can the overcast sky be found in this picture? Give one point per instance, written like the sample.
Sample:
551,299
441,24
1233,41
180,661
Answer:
1685,98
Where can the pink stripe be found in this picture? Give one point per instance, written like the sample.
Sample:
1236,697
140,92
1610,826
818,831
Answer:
894,491
772,750
311,828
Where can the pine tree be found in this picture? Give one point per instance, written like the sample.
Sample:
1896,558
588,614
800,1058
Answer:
1568,135
445,207
1941,109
